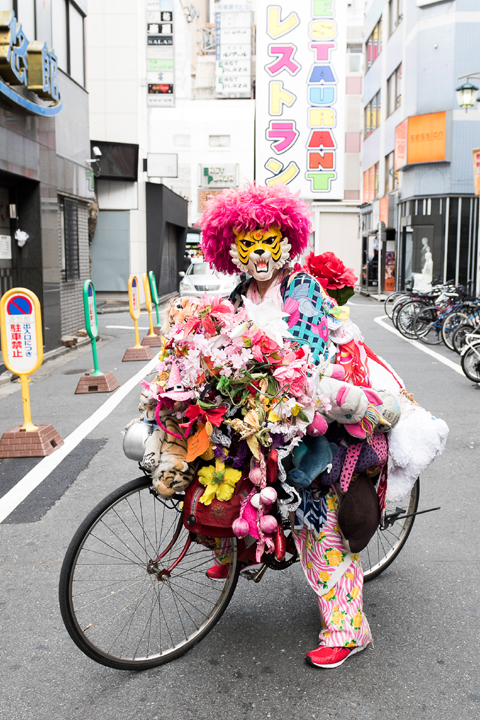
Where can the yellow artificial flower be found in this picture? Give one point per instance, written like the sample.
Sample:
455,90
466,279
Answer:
332,502
219,481
355,592
296,409
273,417
324,575
334,557
351,644
357,621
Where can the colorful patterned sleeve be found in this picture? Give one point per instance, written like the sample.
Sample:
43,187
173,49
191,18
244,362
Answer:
302,296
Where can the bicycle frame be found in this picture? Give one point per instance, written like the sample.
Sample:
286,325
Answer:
472,342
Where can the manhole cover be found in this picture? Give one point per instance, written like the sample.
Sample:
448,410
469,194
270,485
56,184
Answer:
76,372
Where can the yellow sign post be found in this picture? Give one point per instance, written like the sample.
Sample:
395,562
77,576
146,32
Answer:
22,348
138,351
152,339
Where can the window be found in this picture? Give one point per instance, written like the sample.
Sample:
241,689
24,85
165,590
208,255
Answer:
373,45
77,69
391,177
376,180
69,223
373,113
394,90
25,13
59,32
395,8
354,59
43,21
219,140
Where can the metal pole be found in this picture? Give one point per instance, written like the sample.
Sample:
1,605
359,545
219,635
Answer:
27,413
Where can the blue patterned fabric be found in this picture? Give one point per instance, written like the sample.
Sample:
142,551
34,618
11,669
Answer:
302,297
312,511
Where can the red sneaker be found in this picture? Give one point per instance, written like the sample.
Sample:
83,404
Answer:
218,572
330,657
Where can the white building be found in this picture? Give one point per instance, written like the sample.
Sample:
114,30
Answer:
172,109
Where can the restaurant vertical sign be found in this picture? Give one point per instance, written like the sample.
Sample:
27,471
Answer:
300,105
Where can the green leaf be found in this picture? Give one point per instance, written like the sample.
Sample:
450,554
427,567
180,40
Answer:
302,416
341,295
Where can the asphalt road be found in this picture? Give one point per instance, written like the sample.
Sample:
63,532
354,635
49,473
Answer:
423,610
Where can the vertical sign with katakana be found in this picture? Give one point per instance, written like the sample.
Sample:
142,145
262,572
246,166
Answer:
300,105
233,49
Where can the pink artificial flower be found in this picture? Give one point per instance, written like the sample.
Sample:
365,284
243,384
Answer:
292,377
262,346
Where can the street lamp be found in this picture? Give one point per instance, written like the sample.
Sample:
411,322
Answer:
466,93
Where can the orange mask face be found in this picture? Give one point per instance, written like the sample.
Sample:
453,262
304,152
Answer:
259,252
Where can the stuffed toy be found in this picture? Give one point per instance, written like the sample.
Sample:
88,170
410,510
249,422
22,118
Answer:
310,458
178,312
166,453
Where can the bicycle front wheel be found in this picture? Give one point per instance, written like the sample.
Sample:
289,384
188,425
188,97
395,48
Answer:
122,605
387,543
452,322
460,336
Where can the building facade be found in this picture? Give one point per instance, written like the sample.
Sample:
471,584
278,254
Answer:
45,181
420,216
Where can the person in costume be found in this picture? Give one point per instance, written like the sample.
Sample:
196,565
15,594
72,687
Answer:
260,231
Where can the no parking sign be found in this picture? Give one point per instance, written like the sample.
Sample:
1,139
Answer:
21,331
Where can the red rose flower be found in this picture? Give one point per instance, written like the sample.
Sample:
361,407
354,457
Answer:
330,271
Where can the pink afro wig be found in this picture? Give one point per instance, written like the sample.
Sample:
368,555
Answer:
248,208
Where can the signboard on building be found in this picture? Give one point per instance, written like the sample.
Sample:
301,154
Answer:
160,54
218,176
300,125
421,139
400,158
27,65
233,50
476,172
162,165
203,196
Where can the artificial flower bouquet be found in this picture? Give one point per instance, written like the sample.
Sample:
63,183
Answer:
243,393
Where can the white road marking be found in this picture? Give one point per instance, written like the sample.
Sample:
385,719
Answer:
382,320
125,327
32,479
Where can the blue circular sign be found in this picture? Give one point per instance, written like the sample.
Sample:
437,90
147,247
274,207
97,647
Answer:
19,305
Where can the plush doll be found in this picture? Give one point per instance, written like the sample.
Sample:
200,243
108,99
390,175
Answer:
166,452
178,312
310,458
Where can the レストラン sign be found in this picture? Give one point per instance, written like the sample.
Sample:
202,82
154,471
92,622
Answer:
29,65
300,102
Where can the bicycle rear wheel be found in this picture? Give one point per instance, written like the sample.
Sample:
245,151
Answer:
121,609
405,317
427,326
390,301
471,362
388,542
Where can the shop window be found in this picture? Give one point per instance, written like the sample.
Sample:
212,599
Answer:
69,230
219,140
395,11
373,46
394,90
43,21
373,114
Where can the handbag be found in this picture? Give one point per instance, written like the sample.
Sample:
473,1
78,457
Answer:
216,519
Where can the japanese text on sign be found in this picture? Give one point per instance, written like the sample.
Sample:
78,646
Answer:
300,98
21,333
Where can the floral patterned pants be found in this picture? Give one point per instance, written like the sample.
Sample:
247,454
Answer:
335,575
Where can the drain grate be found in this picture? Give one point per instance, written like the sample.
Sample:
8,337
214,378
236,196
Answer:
76,372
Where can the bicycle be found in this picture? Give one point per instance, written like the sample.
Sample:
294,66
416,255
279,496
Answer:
133,590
